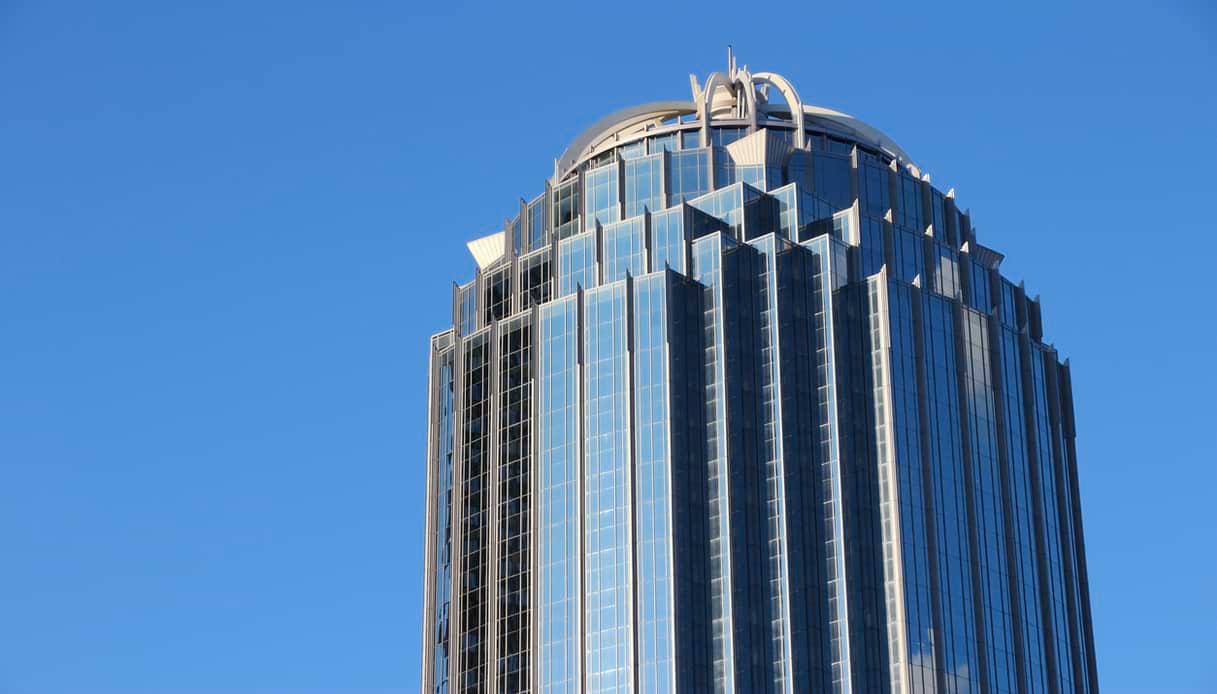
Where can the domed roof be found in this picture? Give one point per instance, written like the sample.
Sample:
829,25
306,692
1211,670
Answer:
727,98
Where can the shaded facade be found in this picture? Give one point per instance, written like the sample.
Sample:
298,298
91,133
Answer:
739,403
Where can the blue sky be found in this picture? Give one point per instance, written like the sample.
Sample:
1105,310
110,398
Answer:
227,232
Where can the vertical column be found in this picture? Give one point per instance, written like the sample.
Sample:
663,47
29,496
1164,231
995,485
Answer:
670,549
870,512
913,491
902,529
745,469
945,450
988,512
1062,502
1089,672
777,512
608,574
438,562
825,273
1022,552
1046,520
706,268
514,502
490,517
689,546
473,591
558,668
655,619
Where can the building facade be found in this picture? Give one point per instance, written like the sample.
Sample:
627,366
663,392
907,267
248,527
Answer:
739,403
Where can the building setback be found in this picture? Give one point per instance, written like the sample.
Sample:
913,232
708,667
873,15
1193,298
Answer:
740,404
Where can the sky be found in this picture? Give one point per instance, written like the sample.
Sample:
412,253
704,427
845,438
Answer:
227,230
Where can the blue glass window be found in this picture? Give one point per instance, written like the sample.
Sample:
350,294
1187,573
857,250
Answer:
565,217
624,249
644,185
746,211
602,202
707,269
952,546
989,501
782,136
688,175
844,226
653,485
839,146
515,503
759,176
633,150
872,246
799,168
668,239
607,555
498,294
577,263
518,242
938,215
1009,304
659,143
468,308
537,232
727,204
909,256
559,656
788,209
982,298
910,204
721,137
946,271
832,179
959,233
473,648
874,184
534,280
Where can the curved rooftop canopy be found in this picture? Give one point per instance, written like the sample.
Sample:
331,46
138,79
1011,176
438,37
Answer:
627,121
736,95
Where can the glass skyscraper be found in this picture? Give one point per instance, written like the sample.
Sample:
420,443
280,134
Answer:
739,403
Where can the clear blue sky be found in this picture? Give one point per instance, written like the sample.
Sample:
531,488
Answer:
227,233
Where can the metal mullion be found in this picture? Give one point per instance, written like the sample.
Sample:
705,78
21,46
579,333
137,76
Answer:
456,600
491,509
429,606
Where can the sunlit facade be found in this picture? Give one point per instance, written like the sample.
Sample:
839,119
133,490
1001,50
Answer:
738,403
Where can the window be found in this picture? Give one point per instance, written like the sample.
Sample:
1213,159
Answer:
644,185
874,188
498,294
721,137
659,143
624,248
602,204
535,278
566,208
633,150
537,233
577,263
832,179
668,240
688,175
911,216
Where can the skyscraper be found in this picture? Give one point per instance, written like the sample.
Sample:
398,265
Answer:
739,403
